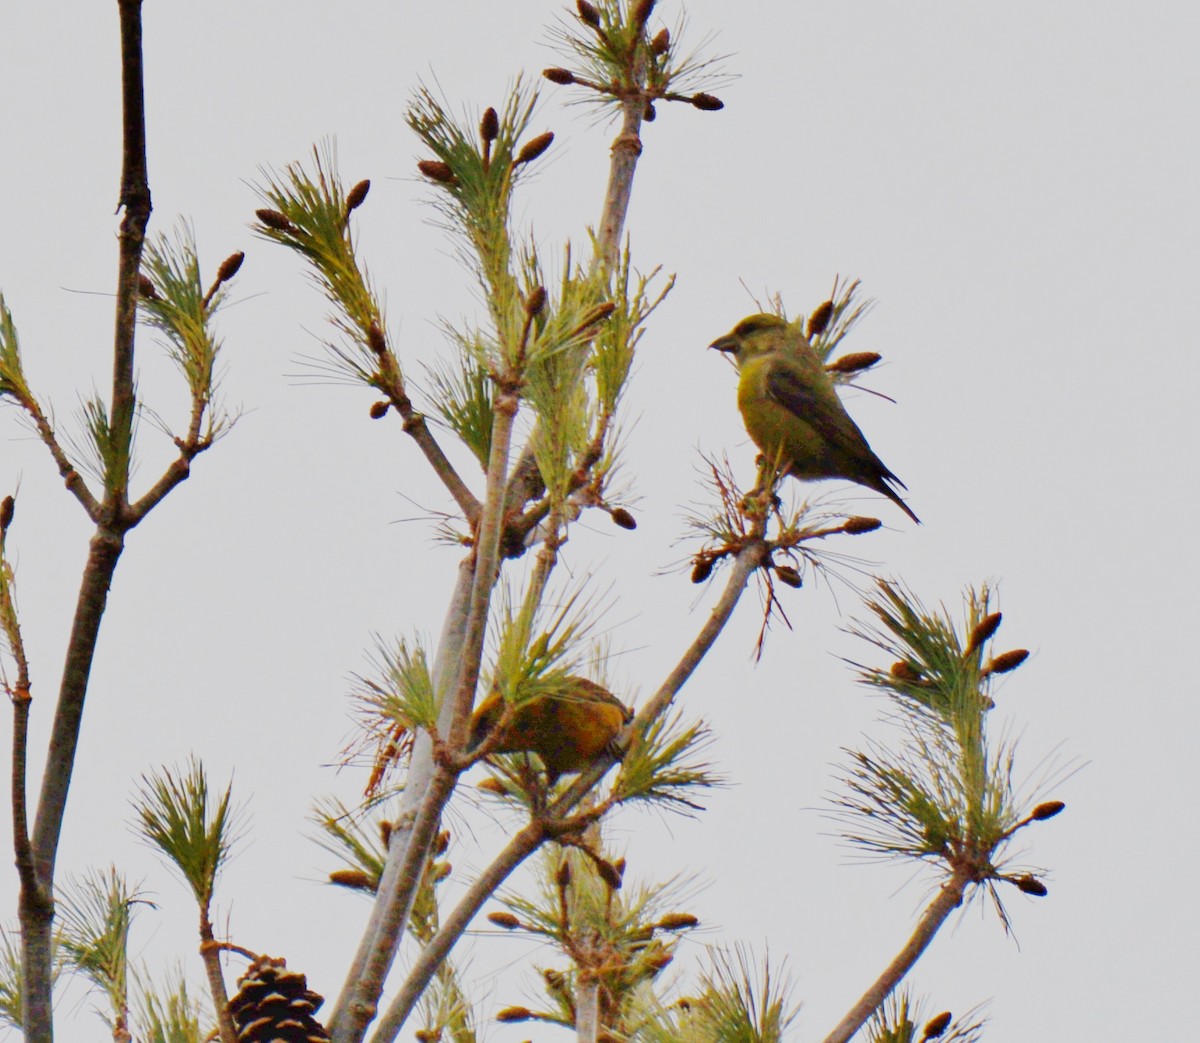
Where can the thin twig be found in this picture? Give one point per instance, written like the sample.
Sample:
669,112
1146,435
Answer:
948,898
210,953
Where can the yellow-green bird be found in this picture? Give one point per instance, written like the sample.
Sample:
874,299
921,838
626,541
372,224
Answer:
567,729
792,409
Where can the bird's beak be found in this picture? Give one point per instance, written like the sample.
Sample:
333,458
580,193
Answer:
728,343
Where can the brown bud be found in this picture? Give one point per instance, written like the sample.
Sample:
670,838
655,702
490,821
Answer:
984,629
558,75
659,960
442,842
1006,661
7,509
858,524
904,671
146,287
441,870
1047,810
353,878
489,126
649,114
677,922
436,170
563,876
379,409
587,13
427,1035
356,195
491,785
556,981
385,831
598,314
819,319
275,220
609,874
790,576
533,148
853,362
1031,885
536,301
702,569
229,266
936,1026
514,1014
661,42
641,13
376,341
619,866
707,102
623,518
505,920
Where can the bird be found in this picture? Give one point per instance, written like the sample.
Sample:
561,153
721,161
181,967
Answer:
792,410
568,728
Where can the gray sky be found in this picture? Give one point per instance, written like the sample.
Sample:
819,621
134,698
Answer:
1015,185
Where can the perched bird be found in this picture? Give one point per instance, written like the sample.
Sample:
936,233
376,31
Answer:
567,729
793,412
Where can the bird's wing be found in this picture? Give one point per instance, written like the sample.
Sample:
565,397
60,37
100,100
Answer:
797,397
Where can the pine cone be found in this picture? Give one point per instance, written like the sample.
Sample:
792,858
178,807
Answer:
275,1005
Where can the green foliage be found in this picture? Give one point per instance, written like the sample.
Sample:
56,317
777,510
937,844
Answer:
402,691
12,374
662,766
170,1013
178,308
308,213
899,1020
97,913
194,829
103,452
358,842
461,392
736,1003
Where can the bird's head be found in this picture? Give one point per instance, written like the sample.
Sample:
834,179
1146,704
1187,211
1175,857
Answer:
752,336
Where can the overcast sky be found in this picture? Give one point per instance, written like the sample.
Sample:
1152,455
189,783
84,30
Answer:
1014,183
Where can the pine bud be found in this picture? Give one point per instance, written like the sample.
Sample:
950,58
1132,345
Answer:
598,314
146,287
536,301
661,42
641,14
555,981
355,879
853,362
787,574
273,219
649,113
427,1035
608,873
619,866
1006,661
441,870
436,170
379,409
514,1014
1047,810
505,920
385,831
534,148
563,876
819,319
904,671
376,341
677,922
356,195
587,13
858,524
489,126
229,266
560,76
491,785
1031,885
702,569
707,102
7,509
623,518
442,842
984,629
936,1026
